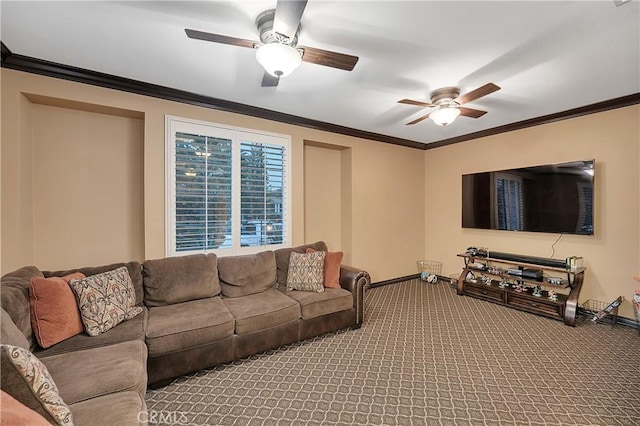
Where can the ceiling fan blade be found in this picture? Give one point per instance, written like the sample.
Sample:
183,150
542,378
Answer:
470,112
328,59
419,119
477,93
416,103
218,38
288,15
269,81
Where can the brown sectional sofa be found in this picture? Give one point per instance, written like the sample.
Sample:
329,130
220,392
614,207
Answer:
199,311
102,379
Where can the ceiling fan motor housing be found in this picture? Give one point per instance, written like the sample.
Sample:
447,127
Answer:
445,95
264,23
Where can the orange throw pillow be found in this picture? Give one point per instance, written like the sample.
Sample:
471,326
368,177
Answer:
54,311
16,414
332,262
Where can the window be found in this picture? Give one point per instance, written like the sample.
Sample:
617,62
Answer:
508,190
227,189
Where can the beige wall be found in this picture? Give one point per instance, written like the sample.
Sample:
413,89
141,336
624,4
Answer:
323,195
86,186
382,215
395,206
612,255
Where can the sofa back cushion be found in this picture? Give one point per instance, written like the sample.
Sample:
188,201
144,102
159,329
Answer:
15,299
283,255
11,334
180,279
248,274
134,269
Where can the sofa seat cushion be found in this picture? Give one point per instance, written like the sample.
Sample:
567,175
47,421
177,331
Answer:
126,331
315,304
187,325
91,373
262,311
122,408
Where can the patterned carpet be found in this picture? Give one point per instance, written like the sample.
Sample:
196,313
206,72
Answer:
424,356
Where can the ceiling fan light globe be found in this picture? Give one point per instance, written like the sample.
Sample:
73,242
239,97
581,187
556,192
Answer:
278,59
444,116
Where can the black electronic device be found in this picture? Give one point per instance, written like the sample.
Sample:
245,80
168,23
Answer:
554,198
528,273
544,261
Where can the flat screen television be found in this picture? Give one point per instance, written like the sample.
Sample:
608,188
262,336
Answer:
553,198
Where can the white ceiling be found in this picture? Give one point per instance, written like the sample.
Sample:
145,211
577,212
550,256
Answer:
548,57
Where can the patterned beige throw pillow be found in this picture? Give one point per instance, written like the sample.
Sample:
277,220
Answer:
26,379
105,300
306,271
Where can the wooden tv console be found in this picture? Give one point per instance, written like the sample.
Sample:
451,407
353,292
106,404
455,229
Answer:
494,284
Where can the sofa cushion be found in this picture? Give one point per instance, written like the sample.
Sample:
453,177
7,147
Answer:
14,413
180,279
105,300
11,334
54,311
134,268
15,298
306,271
248,274
122,408
283,255
132,329
26,379
90,373
186,325
332,262
262,311
316,304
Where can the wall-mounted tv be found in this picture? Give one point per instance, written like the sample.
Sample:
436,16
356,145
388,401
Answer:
554,198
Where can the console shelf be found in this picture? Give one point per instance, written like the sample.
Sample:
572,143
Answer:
489,280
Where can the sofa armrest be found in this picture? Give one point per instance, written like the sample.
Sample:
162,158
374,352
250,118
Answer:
356,281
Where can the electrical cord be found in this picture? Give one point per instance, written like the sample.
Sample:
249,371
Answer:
553,246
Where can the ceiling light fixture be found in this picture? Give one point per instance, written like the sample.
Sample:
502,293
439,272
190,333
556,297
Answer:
278,59
619,3
444,115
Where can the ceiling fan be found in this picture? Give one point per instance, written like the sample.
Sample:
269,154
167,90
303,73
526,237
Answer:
277,50
448,104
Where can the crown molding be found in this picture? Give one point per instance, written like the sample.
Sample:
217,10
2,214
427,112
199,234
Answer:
620,102
5,51
66,72
79,75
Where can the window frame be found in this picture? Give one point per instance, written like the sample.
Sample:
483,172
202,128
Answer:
237,135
